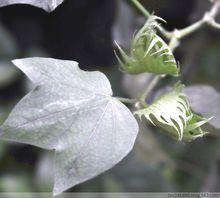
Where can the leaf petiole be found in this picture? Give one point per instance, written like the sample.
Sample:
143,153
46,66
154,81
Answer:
127,100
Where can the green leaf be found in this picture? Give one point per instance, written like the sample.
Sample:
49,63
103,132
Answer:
148,53
73,112
172,113
48,6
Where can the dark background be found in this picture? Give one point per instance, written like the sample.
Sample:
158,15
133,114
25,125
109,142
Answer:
84,31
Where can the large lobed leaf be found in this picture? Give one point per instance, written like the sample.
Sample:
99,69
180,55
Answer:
172,113
148,53
47,5
73,112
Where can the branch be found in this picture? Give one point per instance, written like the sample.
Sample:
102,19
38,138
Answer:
207,19
147,91
147,14
141,8
215,25
127,100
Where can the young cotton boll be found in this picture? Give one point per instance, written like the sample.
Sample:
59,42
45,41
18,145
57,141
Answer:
171,112
148,53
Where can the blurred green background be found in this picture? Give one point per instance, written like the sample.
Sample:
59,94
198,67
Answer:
84,30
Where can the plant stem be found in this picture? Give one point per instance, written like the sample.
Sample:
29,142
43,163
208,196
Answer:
190,29
215,9
127,100
147,14
148,89
174,43
215,25
207,19
141,8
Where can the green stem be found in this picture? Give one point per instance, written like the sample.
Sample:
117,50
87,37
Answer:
141,8
164,32
127,100
147,14
174,43
208,19
215,25
149,89
190,29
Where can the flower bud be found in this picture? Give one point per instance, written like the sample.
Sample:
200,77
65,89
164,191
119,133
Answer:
148,53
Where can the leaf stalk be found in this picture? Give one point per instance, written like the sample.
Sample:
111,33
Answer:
127,100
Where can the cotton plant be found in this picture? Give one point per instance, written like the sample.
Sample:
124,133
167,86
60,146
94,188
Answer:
74,112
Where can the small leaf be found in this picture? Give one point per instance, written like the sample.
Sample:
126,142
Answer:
47,5
149,53
172,113
73,112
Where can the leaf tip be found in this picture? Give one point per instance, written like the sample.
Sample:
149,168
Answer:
210,118
17,62
56,190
